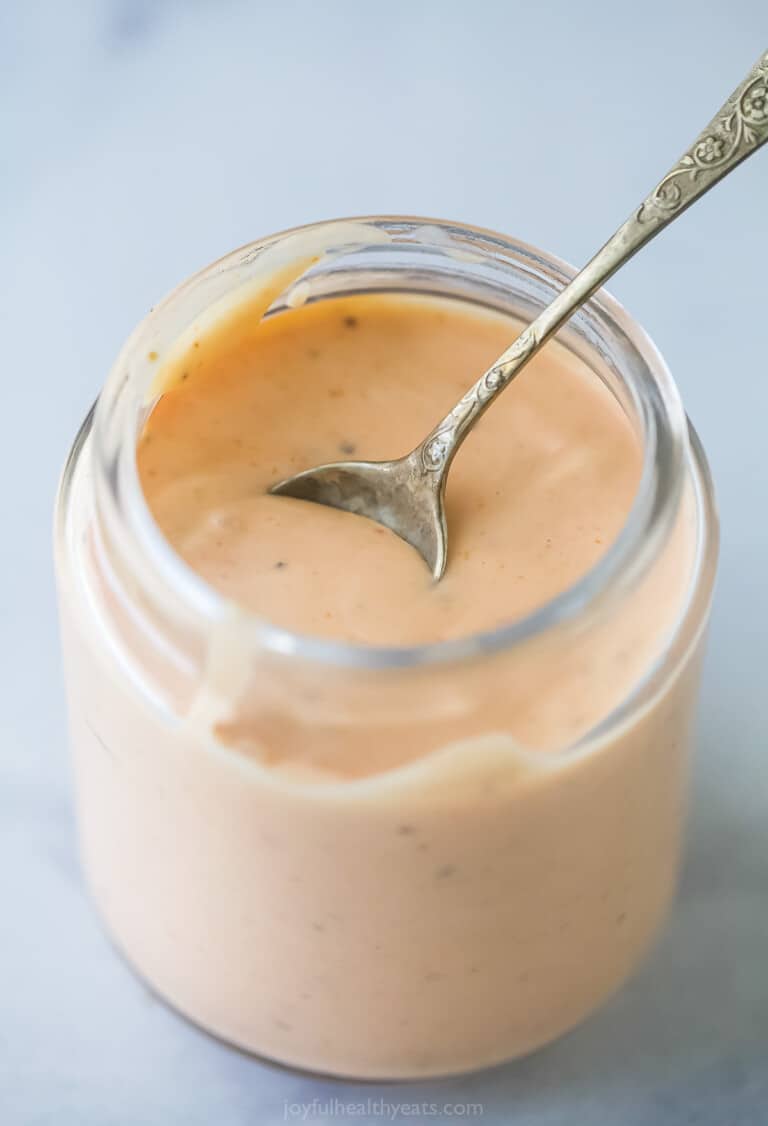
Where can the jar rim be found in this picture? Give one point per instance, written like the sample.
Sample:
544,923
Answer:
666,452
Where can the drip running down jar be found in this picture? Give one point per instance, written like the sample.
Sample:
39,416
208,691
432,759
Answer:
393,856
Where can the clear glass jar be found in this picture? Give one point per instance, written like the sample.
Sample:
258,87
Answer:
480,891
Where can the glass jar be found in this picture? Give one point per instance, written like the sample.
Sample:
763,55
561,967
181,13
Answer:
478,891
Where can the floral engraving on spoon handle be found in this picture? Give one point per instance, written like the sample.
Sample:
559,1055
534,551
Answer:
442,441
741,125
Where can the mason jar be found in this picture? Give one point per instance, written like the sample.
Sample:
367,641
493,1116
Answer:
479,885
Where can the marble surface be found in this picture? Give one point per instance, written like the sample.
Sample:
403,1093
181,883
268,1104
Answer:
141,139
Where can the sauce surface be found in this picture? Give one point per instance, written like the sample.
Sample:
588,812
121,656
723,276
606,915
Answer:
536,495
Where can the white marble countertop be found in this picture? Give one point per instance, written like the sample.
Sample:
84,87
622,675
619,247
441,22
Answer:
140,140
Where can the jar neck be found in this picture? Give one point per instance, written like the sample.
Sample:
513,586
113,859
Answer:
379,254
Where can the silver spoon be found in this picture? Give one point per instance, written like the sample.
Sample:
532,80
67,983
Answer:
407,495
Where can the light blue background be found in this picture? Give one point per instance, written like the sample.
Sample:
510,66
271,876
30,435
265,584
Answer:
140,140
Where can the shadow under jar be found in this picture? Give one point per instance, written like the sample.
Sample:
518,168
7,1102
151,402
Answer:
408,918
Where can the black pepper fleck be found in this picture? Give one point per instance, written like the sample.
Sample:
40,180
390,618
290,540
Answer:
445,872
350,322
347,448
281,563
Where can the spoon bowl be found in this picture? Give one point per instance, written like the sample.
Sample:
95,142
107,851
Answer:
397,494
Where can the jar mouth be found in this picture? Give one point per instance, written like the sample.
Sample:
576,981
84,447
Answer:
122,408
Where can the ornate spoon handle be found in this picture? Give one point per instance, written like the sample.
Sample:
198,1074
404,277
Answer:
734,133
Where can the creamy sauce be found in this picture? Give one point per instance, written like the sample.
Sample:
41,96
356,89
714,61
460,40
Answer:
395,874
535,496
